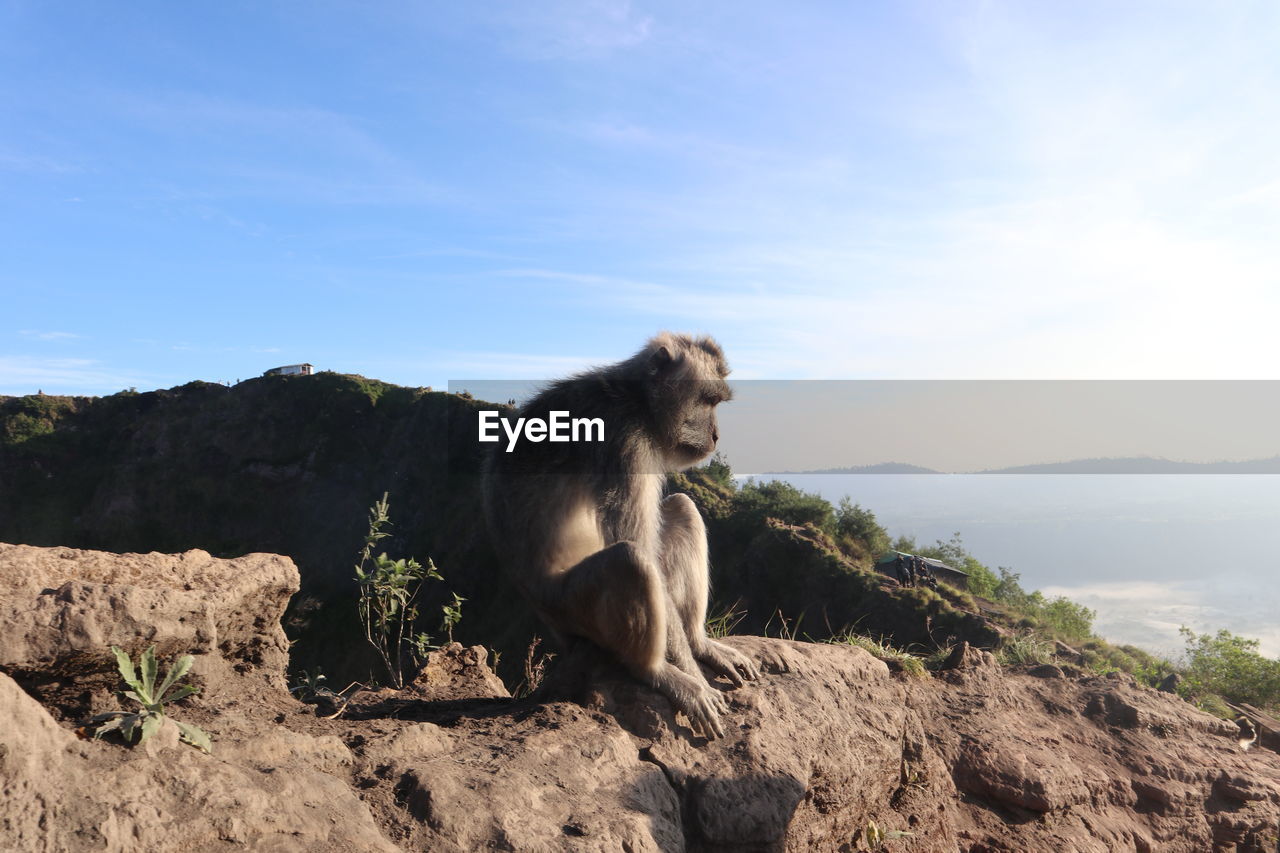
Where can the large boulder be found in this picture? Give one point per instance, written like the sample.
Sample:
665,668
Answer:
61,609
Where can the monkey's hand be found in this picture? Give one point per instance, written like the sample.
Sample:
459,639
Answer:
729,662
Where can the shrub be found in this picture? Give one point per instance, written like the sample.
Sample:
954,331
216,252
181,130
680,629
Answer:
755,502
388,595
859,524
1231,667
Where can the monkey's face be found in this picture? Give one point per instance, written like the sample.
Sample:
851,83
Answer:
696,431
685,381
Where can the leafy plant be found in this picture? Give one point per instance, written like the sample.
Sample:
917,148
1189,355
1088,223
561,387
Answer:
388,595
755,502
310,686
143,690
452,614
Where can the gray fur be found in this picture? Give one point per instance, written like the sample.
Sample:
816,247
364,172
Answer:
587,536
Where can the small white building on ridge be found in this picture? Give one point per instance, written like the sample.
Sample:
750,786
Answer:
290,370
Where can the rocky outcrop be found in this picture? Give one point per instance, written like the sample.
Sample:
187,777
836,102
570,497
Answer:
62,609
828,749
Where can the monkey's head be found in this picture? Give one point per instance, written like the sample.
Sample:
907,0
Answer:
684,382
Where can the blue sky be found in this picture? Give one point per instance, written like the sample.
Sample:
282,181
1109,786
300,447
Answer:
426,192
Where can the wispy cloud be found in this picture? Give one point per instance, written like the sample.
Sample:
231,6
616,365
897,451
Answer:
334,157
34,334
464,364
15,161
569,30
21,375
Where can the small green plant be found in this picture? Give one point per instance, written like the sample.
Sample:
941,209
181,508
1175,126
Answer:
452,614
875,838
143,690
388,595
310,686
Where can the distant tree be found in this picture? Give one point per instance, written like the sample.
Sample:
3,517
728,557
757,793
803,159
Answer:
905,544
1231,667
856,522
982,581
718,470
755,502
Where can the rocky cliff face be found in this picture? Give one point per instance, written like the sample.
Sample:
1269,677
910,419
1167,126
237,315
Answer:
829,751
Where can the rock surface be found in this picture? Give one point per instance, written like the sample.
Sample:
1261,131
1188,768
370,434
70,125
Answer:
827,743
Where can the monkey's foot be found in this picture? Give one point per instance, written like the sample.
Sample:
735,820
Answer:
699,701
729,662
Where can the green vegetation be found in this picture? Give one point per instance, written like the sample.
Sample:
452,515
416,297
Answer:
310,685
754,502
899,660
721,623
387,605
1224,666
718,470
1058,617
35,416
1024,649
143,690
857,530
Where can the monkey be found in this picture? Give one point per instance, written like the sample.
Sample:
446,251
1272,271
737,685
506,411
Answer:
1248,732
589,539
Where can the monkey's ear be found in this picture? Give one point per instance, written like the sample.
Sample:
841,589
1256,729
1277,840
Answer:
660,360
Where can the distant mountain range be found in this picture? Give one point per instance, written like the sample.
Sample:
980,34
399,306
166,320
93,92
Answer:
1112,465
881,468
1144,465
